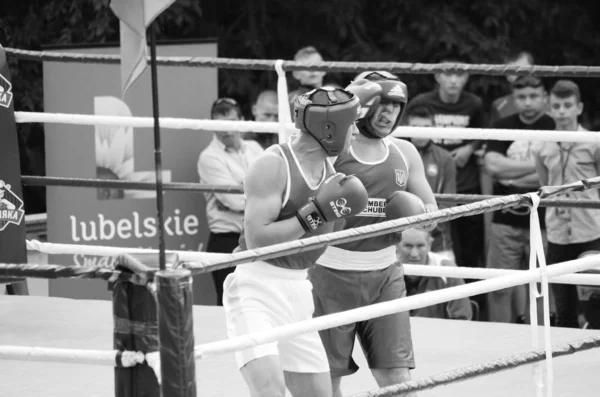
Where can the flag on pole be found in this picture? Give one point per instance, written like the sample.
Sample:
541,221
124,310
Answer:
135,17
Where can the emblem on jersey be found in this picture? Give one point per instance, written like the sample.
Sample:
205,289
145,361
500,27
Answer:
400,178
11,207
432,170
5,92
339,207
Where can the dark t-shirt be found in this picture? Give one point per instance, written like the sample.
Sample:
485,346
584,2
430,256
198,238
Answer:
467,112
516,216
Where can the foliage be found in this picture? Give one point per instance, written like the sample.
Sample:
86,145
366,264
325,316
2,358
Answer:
482,31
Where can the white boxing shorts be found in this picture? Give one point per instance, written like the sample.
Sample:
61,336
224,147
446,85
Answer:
258,297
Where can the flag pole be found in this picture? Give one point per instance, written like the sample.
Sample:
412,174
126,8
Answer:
157,151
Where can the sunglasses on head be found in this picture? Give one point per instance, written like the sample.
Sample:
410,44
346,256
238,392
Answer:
527,81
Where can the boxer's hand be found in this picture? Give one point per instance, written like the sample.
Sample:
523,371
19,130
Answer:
338,197
403,204
369,94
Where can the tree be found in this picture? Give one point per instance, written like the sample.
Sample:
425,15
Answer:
482,31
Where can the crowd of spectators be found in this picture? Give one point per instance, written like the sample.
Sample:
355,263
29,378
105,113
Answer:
455,166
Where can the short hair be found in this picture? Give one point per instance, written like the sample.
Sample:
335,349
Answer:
420,111
566,88
513,56
224,106
305,52
452,59
527,81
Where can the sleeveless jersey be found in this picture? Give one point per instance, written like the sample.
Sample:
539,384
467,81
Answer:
296,195
380,178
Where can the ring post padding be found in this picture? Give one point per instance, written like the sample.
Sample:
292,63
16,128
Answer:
175,301
135,329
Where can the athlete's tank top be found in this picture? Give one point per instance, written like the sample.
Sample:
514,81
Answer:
381,178
297,193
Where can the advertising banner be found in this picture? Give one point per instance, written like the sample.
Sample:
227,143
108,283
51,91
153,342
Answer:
117,217
12,211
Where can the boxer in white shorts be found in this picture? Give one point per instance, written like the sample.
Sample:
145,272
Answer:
292,192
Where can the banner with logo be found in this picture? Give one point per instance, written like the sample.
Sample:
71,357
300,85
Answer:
120,217
12,211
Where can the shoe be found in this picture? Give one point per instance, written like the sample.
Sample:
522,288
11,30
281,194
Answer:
520,319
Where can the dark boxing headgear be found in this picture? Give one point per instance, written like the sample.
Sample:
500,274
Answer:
391,90
327,113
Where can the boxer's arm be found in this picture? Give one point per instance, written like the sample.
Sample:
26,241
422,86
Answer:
265,187
417,181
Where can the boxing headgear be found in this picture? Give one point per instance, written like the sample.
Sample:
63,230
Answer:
392,89
327,113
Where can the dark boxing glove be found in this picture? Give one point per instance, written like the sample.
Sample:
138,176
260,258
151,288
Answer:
338,197
369,93
402,204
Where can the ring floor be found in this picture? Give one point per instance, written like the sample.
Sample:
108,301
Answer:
440,346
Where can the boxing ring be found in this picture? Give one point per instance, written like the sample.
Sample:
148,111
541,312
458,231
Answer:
65,347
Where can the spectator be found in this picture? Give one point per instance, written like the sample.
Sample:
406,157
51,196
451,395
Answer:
512,166
415,249
505,106
453,107
571,231
225,161
308,79
589,299
265,108
440,171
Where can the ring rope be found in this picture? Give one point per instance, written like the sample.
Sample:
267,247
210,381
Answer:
101,250
200,262
396,225
391,307
274,128
536,248
348,67
474,371
78,356
354,234
33,180
76,272
116,358
47,271
315,324
485,273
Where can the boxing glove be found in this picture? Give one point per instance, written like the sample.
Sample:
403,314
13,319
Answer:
402,204
369,93
338,197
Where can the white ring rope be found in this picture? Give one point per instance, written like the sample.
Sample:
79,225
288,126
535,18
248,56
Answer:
409,270
101,357
272,127
100,250
78,356
536,249
283,104
127,359
485,274
391,307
